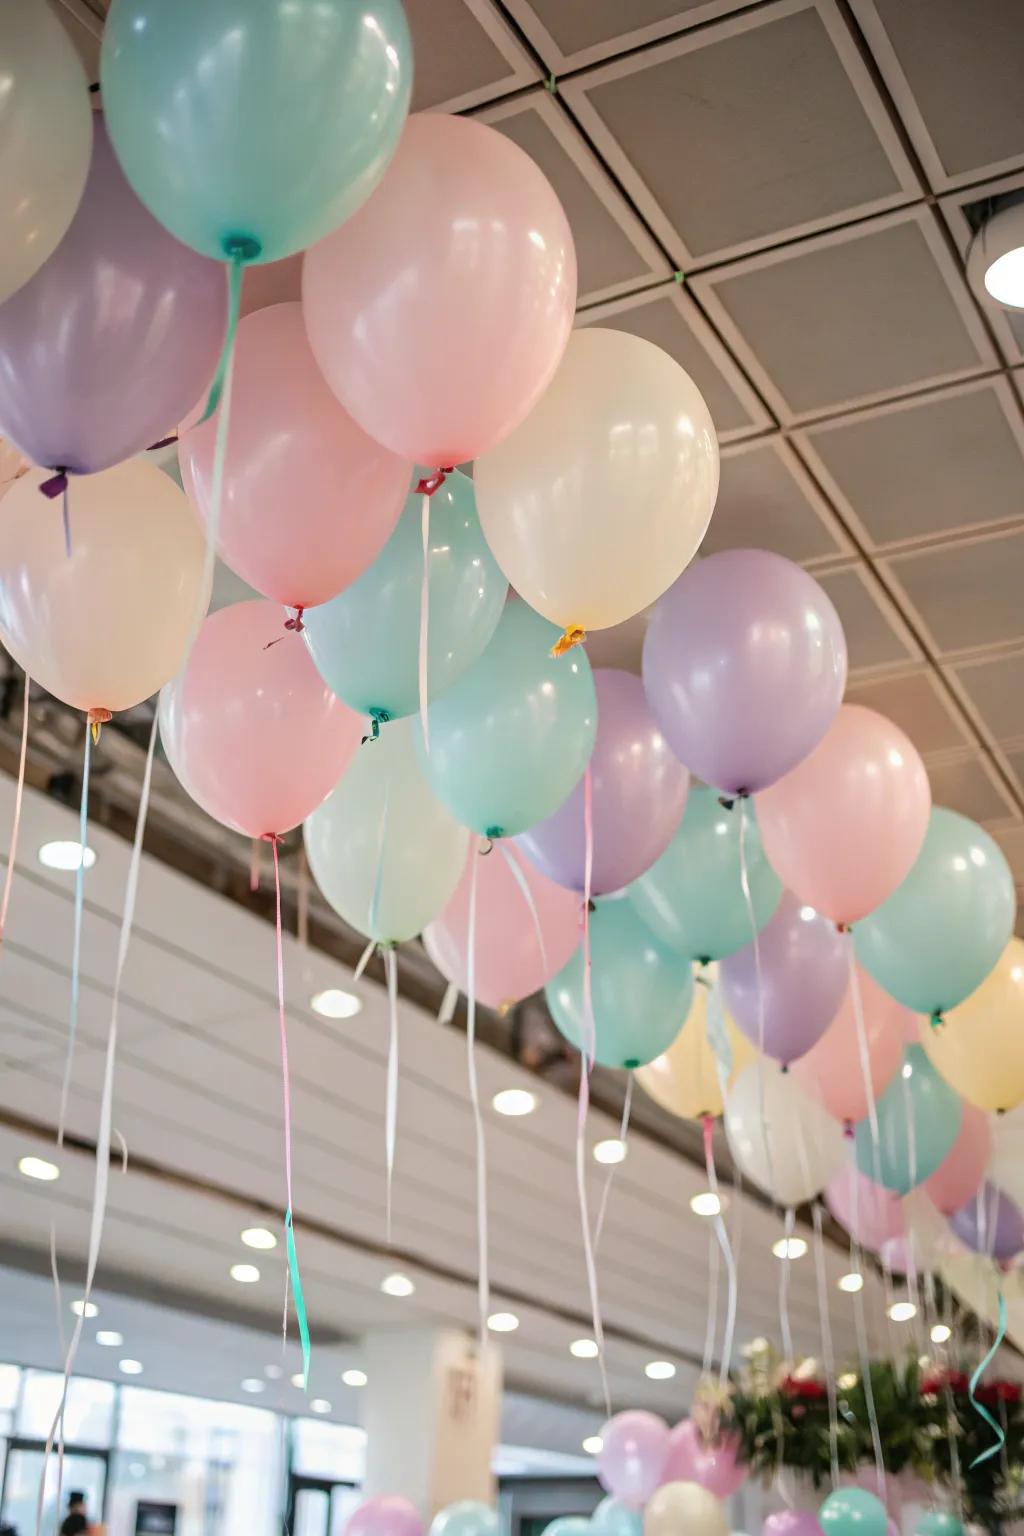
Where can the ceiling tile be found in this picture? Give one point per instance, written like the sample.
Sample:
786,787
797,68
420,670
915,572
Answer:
996,689
465,54
614,251
954,73
967,594
1011,841
873,634
970,787
917,705
1016,762
578,32
960,210
670,319
926,466
773,106
855,316
766,501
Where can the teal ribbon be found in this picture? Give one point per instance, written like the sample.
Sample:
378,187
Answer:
238,252
980,1370
300,1300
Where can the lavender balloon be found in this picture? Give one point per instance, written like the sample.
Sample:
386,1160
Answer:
116,337
639,794
990,1223
744,666
804,974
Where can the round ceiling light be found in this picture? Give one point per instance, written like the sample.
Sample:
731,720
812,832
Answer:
995,260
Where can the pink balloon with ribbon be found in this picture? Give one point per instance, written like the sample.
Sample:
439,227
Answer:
870,1214
386,1515
634,1449
959,1175
715,1467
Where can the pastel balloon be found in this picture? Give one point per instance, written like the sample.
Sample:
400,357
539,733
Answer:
366,641
938,1522
897,1255
918,1122
513,735
844,827
268,124
685,1078
250,729
567,1525
781,1139
692,897
114,338
870,1214
45,139
104,627
785,993
386,855
612,1518
991,1223
386,1515
792,1522
684,1509
745,666
638,796
714,1467
466,1517
440,345
1006,1166
620,425
516,952
633,1451
641,991
308,501
941,932
961,1171
853,1512
832,1070
979,1047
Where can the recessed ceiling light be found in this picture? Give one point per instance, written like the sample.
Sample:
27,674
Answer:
333,1003
593,1445
659,1370
83,1308
789,1248
995,261
706,1204
503,1322
38,1168
298,1380
320,1405
514,1101
397,1285
130,1367
902,1311
847,1381
253,1384
272,1372
611,1151
583,1349
851,1282
66,856
354,1378
940,1333
807,914
245,1274
258,1237
109,1339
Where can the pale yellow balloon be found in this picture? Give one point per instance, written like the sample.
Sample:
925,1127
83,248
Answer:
684,1079
600,498
684,1509
45,138
979,1046
104,627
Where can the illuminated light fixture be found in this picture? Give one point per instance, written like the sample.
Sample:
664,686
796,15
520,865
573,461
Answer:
706,1204
995,260
503,1322
83,1308
109,1339
514,1102
941,1333
66,856
611,1151
789,1248
593,1445
851,1283
584,1349
272,1372
298,1380
333,1003
354,1378
130,1367
38,1168
397,1285
245,1274
902,1311
847,1381
320,1405
258,1237
659,1370
253,1384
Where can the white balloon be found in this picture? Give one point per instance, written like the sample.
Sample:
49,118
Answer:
782,1139
1006,1167
383,819
684,1509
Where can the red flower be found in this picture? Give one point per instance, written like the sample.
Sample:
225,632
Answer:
934,1383
809,1390
999,1392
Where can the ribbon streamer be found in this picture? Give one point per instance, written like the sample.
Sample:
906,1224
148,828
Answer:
865,1059
527,895
425,623
722,1235
76,948
711,1326
391,1111
238,253
483,1272
749,903
972,1390
627,1105
19,796
827,1351
787,1334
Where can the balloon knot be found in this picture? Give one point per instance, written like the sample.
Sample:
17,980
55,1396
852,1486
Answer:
727,802
505,1007
296,624
57,483
842,927
241,248
431,483
270,837
98,718
572,635
848,1129
378,717
164,442
936,1018
492,834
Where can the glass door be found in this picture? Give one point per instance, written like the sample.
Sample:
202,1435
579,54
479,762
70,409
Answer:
84,1472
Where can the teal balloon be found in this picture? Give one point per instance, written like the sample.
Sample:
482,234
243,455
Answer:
512,737
692,897
612,1518
467,1517
568,1525
366,641
641,990
853,1512
257,125
919,1118
935,939
939,1522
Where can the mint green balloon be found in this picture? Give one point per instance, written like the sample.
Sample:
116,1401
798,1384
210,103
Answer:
938,1522
512,737
853,1512
919,1118
366,641
641,990
935,939
255,125
692,897
467,1517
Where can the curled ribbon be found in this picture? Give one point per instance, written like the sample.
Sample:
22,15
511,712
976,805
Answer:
572,634
979,1372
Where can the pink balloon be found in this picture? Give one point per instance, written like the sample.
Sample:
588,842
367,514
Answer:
510,962
250,728
896,1254
831,1070
634,1448
844,827
714,1467
869,1213
308,500
440,311
386,1515
792,1522
957,1178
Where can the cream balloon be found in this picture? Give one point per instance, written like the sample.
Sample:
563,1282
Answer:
684,1078
1006,1168
104,627
385,853
785,1141
979,1045
45,139
599,499
684,1509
